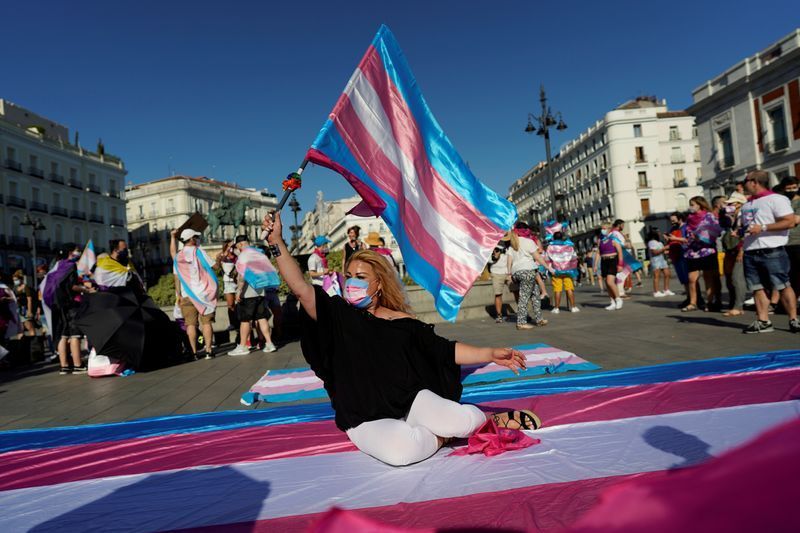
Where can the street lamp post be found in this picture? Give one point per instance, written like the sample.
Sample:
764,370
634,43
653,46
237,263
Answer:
294,205
545,120
36,225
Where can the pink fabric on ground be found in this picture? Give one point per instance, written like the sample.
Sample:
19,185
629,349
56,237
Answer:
491,440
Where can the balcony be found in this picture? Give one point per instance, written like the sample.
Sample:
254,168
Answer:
42,244
724,164
13,165
680,183
75,183
778,145
117,222
59,211
678,159
644,185
113,194
77,215
93,188
36,172
15,201
38,206
171,210
19,243
96,218
56,178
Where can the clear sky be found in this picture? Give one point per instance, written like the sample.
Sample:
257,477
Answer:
237,90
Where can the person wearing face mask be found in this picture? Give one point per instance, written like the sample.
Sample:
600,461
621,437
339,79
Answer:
61,288
114,269
318,261
732,264
227,261
25,302
394,384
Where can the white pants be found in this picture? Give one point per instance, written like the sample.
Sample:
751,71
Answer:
410,440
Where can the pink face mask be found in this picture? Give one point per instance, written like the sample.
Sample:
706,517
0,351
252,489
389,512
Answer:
355,292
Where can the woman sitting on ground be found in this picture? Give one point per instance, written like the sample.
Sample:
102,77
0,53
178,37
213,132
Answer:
393,383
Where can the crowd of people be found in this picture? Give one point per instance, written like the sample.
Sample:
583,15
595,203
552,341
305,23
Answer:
751,238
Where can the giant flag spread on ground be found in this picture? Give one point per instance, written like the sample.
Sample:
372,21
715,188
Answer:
281,469
382,137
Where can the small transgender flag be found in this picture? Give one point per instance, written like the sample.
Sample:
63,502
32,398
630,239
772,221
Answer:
87,260
382,137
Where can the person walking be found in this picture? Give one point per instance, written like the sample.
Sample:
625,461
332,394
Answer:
790,190
394,384
227,261
251,302
767,218
561,257
196,289
611,262
522,259
732,264
658,264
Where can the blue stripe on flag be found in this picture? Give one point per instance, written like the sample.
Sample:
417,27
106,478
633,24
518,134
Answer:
27,439
441,153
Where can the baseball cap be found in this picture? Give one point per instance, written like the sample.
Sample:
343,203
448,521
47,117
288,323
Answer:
188,233
319,240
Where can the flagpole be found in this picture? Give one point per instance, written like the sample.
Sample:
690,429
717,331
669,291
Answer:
292,182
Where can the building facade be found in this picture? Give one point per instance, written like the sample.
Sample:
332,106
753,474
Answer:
331,218
639,163
75,193
748,117
157,207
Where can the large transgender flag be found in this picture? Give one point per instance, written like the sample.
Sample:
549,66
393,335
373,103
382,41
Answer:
87,260
618,436
382,137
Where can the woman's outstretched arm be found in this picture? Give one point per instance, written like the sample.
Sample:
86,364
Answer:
467,354
288,267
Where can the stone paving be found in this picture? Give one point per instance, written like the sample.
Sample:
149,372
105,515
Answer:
646,331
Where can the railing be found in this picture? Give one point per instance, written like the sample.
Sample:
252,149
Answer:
117,222
777,145
75,183
38,206
13,165
59,211
678,159
171,210
96,218
680,183
77,214
725,164
644,185
56,178
37,172
114,194
640,160
674,136
16,202
18,242
93,188
42,244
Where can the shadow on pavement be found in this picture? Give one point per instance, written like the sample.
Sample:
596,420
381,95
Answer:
705,320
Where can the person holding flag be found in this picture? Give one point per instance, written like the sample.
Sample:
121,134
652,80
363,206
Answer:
196,288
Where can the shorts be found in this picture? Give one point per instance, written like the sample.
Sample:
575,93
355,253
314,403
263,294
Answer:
191,315
68,328
498,283
766,269
252,309
609,266
709,263
272,298
228,287
658,262
563,283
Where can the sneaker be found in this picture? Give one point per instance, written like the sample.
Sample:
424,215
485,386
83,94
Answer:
64,370
612,306
239,350
750,301
771,309
759,326
209,354
499,319
618,303
269,347
555,310
794,325
575,310
80,369
542,323
200,355
669,293
658,294
525,326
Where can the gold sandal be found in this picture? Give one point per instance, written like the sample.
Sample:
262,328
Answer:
522,419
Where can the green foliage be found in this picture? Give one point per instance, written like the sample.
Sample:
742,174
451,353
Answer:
336,260
163,292
408,281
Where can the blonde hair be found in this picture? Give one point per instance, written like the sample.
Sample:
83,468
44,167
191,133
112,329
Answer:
391,294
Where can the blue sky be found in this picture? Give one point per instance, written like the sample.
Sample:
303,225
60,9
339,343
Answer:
237,90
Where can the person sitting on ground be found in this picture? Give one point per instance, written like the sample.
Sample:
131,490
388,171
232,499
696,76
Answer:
658,264
197,288
393,383
560,255
251,303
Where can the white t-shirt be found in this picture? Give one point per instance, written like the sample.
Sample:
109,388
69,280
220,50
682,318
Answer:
315,265
655,246
765,210
522,259
500,268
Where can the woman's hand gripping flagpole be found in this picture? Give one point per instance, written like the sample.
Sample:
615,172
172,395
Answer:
292,182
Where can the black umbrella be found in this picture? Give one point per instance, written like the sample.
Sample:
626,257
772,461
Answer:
127,325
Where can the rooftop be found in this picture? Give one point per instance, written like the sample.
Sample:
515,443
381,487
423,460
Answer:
204,180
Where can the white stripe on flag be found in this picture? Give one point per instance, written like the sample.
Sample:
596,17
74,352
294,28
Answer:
451,239
286,487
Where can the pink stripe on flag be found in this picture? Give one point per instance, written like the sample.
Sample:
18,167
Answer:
30,468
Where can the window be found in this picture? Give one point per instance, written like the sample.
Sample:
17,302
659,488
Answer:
92,179
54,167
77,235
681,202
677,155
34,161
645,205
640,158
112,186
141,212
694,132
637,130
59,233
74,204
678,178
35,194
778,140
603,162
643,180
170,206
12,189
73,174
725,141
11,154
674,134
697,153
56,199
93,208
15,226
